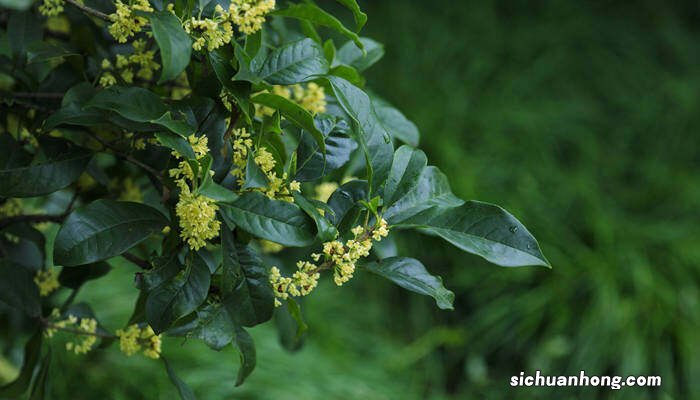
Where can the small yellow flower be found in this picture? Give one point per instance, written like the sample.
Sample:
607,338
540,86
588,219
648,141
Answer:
125,23
249,15
47,281
134,339
51,8
197,216
131,191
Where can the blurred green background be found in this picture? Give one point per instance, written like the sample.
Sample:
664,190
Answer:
581,118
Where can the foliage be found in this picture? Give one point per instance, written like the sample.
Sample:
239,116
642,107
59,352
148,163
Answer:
190,139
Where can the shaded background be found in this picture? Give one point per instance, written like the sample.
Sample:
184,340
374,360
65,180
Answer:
581,119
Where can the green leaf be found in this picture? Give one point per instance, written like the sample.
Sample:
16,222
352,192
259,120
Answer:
54,174
274,220
482,229
43,51
317,16
16,4
32,352
395,122
174,43
254,176
178,296
216,192
41,382
175,142
23,28
326,230
372,137
350,54
104,229
295,62
178,126
246,291
214,326
431,189
133,103
410,274
294,113
344,202
360,17
313,164
246,348
182,389
75,277
220,60
405,173
17,288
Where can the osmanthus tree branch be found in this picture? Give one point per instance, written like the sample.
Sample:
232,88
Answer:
140,262
90,11
128,157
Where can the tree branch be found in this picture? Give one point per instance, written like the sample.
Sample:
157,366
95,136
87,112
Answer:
90,11
140,262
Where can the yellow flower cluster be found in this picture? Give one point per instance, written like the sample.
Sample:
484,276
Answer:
134,339
213,32
340,256
249,15
277,187
311,97
196,213
125,23
11,207
84,328
51,8
301,283
141,60
47,281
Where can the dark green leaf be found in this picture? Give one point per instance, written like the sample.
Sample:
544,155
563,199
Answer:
254,176
317,16
350,54
482,229
75,277
133,103
214,326
104,229
175,142
17,288
395,122
275,220
360,17
47,177
41,382
178,126
344,202
164,269
178,296
182,389
325,230
410,274
372,137
174,43
220,61
246,347
32,352
294,113
44,51
246,291
295,62
405,173
431,189
312,164
23,28
216,192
